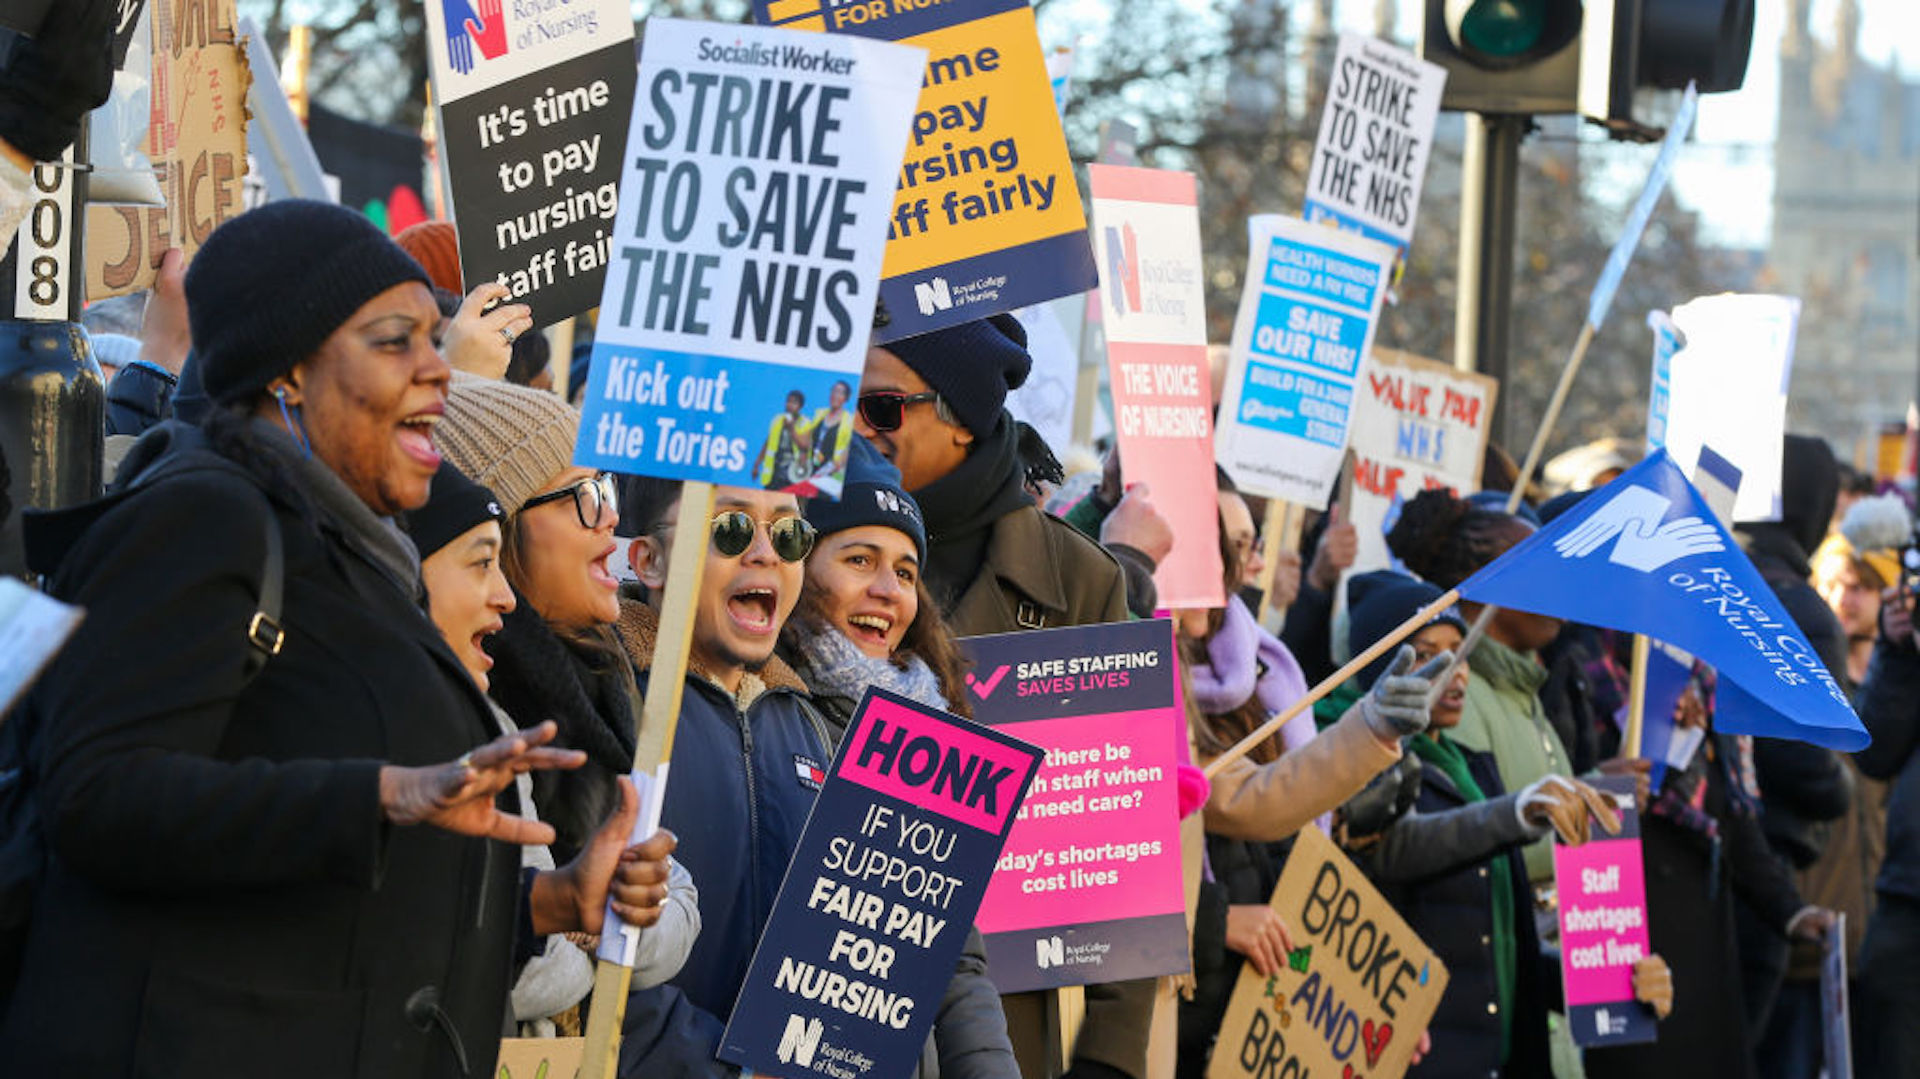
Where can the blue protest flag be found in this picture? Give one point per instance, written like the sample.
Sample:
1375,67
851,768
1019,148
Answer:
1645,554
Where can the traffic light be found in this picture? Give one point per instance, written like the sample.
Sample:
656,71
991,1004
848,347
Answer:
1505,56
1662,44
1540,57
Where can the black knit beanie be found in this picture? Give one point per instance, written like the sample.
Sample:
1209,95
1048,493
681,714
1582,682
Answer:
871,495
454,505
971,366
269,286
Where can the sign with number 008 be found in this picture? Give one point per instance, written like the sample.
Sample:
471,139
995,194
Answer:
43,269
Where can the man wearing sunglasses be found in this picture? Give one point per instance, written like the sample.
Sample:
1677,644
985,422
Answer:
935,405
748,752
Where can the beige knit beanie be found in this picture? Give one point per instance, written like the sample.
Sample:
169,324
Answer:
509,438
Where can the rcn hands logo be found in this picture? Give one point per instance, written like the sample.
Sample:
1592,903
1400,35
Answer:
1632,520
1123,270
467,28
1049,952
799,1040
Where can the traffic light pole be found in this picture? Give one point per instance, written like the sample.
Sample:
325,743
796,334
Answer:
1489,198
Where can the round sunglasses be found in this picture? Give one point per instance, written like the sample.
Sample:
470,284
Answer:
886,410
733,533
591,499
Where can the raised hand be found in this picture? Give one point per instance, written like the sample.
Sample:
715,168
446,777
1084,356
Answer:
458,796
1397,705
1566,806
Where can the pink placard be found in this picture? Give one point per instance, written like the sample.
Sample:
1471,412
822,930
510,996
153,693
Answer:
1603,918
922,761
1104,776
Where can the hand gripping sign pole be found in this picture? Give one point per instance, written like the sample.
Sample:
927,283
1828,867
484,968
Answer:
659,717
1597,306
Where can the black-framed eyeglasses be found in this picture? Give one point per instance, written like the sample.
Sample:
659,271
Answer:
886,410
733,533
593,500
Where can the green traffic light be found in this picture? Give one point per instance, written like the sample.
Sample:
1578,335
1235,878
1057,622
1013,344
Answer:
1503,27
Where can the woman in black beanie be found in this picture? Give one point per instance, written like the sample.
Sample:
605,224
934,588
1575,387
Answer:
232,757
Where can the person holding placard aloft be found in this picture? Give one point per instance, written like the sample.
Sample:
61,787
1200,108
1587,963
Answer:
750,752
866,619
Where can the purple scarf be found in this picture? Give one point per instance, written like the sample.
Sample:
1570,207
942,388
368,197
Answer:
1243,661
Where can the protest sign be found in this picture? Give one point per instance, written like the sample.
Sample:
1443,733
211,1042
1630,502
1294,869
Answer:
197,140
1088,888
858,952
1146,227
1370,158
533,101
540,1058
1603,927
1045,400
33,627
1307,313
1666,342
1356,992
750,233
1417,425
1835,1026
1728,389
1662,741
281,163
987,217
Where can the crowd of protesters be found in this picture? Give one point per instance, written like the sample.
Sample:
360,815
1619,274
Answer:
333,774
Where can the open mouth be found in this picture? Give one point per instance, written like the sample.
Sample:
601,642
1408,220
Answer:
869,628
416,438
752,609
597,569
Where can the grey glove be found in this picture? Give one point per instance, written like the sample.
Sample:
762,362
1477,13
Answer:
1397,705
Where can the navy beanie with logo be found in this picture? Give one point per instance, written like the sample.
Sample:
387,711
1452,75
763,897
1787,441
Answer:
455,504
871,495
1377,603
971,366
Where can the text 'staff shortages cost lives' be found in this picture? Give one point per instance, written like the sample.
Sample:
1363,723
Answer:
880,895
986,218
1089,887
533,125
748,244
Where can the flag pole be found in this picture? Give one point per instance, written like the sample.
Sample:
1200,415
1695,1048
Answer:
1636,697
659,717
1514,497
1333,681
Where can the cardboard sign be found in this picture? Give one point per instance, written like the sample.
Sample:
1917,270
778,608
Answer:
752,219
850,971
1603,928
197,140
1417,425
1146,227
1729,391
1370,158
1355,994
987,217
1835,1025
533,101
540,1058
1307,314
1088,889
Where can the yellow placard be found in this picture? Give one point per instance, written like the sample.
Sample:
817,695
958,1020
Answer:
1355,993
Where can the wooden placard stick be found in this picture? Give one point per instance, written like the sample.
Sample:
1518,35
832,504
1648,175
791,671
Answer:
659,717
1332,682
1636,697
1282,518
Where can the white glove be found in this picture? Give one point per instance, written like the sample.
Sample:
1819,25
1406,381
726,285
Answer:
1397,705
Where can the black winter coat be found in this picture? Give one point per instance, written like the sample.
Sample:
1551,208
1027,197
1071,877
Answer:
1244,872
1452,910
1890,709
223,894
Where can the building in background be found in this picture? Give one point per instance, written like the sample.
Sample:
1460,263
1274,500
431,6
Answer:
1846,231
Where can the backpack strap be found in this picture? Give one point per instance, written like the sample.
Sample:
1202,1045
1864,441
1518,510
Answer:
264,634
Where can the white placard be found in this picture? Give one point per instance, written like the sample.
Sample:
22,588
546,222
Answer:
1728,390
1370,158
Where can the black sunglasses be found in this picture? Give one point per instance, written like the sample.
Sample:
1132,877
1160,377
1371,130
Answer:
591,499
886,410
734,530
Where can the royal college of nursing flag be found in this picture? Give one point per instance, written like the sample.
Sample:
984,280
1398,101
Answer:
1645,554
